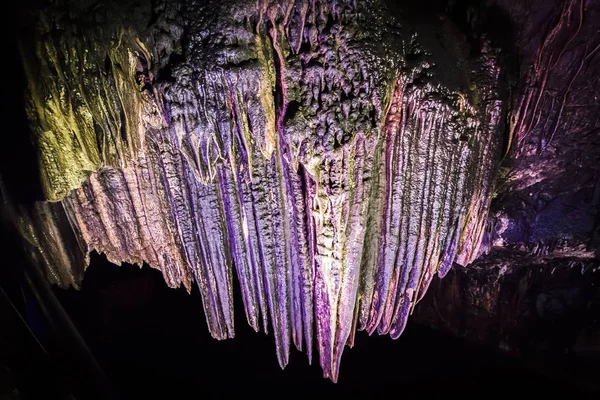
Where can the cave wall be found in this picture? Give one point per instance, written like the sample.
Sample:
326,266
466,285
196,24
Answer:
521,304
548,192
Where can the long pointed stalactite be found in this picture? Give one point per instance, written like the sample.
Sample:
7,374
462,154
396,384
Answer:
312,148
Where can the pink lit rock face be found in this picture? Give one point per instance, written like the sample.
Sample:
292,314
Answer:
313,149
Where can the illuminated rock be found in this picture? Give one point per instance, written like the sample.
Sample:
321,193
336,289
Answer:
315,149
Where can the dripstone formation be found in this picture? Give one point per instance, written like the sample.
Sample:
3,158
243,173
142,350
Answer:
332,155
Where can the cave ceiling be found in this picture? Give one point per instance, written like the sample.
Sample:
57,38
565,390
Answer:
332,156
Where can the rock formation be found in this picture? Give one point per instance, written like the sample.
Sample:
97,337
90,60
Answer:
333,155
543,224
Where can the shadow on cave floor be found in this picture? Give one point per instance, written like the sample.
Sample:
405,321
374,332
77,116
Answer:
152,341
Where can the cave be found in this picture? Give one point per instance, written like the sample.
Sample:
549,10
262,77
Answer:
354,197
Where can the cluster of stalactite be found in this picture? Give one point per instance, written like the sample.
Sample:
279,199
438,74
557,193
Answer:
310,148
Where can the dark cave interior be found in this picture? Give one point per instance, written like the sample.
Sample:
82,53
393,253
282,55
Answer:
148,346
125,334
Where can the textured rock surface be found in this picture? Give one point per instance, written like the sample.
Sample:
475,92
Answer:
543,227
549,188
520,303
314,149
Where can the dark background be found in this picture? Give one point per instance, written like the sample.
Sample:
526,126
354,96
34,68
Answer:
152,342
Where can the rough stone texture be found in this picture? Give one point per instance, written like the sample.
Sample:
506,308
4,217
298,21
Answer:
520,303
544,220
313,148
549,190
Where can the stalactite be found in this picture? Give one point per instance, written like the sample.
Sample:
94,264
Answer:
310,148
